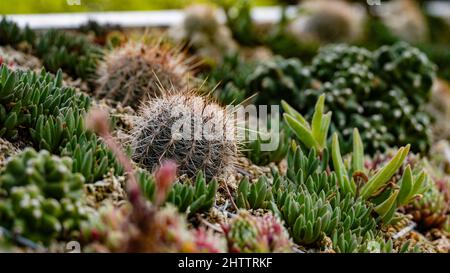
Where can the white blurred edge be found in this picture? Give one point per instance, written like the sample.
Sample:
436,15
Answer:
162,18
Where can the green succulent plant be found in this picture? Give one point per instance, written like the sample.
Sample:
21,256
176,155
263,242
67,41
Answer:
188,196
12,34
278,79
230,79
407,67
382,93
75,54
386,197
324,194
433,209
90,157
42,196
240,22
256,153
38,107
353,178
254,195
312,135
26,96
250,234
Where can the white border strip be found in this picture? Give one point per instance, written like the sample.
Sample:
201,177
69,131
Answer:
161,18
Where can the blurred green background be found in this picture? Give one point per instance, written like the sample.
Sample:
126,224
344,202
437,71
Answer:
51,6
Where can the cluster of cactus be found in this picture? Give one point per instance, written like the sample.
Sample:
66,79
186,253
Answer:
12,34
73,53
135,72
381,93
197,134
352,175
41,196
38,107
278,79
188,196
323,195
250,234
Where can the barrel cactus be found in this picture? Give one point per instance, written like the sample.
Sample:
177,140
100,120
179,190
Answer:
176,127
135,72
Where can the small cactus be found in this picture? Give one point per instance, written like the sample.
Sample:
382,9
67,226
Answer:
328,21
135,72
176,127
203,33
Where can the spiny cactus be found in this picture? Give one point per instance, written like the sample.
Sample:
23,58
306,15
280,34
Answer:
188,196
70,52
202,32
136,72
42,198
328,21
197,134
246,233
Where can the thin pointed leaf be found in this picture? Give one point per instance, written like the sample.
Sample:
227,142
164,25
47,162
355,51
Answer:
385,173
303,133
358,152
